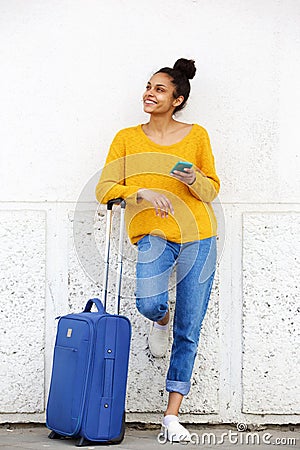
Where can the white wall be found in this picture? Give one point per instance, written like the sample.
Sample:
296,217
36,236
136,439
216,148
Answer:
72,74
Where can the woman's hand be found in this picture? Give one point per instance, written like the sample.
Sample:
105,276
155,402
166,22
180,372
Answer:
160,202
187,177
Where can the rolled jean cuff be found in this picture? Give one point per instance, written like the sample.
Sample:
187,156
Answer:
183,387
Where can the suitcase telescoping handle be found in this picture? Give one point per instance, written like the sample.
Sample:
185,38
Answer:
122,203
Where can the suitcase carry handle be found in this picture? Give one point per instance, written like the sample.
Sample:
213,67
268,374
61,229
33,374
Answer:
94,301
116,201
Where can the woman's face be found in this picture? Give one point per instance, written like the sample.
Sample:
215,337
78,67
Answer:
159,95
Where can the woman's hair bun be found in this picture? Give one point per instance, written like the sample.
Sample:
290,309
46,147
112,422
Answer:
186,66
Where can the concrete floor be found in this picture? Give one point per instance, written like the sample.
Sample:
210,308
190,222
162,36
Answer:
36,437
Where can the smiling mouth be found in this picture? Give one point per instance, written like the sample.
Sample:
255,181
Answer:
149,102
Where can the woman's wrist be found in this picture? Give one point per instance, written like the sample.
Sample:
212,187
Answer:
139,195
190,184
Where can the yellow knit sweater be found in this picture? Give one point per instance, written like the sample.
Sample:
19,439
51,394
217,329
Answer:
134,162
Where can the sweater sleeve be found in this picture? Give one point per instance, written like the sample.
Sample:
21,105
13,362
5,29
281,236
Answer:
207,184
112,183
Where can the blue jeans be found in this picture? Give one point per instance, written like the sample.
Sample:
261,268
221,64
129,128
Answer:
195,268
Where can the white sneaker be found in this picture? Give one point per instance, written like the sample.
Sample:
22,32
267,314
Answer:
175,432
158,340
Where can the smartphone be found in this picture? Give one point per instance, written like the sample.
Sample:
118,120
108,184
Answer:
181,165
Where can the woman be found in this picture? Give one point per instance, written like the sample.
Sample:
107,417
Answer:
170,219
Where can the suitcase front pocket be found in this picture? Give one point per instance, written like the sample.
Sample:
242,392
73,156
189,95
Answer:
62,410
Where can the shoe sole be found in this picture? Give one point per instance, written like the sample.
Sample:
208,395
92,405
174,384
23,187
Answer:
172,436
158,355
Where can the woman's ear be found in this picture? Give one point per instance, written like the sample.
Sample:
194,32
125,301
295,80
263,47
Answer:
178,101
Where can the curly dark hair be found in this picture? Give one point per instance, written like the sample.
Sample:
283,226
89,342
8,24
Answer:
183,71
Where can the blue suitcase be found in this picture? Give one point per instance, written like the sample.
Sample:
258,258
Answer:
90,365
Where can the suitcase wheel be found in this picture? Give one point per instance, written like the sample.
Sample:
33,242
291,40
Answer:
120,438
54,435
82,442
